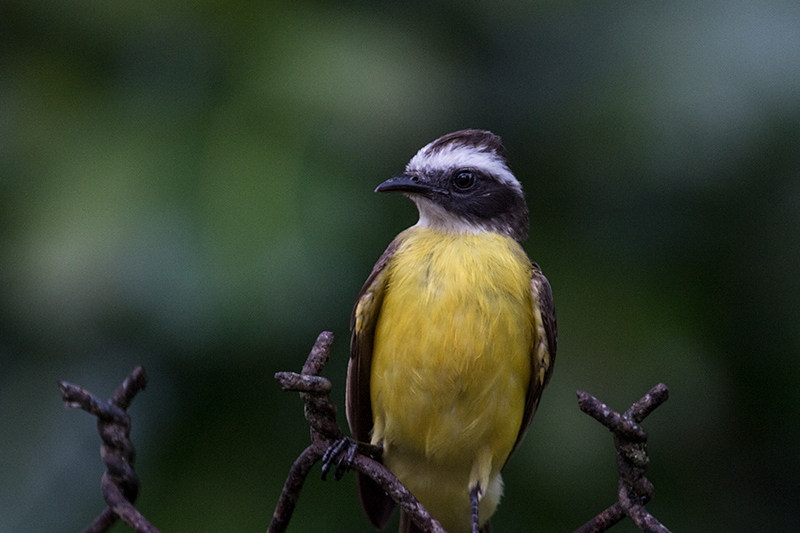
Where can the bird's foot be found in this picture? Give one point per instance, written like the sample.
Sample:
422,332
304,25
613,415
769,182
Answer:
474,497
342,453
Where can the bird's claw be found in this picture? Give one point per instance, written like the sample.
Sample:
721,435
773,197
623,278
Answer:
342,453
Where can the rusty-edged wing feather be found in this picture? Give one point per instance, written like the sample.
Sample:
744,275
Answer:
543,352
377,504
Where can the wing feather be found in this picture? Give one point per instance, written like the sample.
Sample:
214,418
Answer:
377,504
543,351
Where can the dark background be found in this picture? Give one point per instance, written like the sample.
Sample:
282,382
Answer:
188,186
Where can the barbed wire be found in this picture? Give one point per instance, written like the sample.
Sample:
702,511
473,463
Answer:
326,435
328,445
630,440
120,485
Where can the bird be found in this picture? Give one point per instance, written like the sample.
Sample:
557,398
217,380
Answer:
453,337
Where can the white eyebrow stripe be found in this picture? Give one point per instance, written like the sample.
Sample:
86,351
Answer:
458,155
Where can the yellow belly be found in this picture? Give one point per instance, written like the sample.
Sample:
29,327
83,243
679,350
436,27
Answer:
451,367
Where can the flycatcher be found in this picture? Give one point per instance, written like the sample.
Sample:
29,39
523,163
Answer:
453,336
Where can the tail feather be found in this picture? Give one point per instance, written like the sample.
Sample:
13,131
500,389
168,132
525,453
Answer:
377,504
408,526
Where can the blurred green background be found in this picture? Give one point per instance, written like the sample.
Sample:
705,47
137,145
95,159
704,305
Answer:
188,186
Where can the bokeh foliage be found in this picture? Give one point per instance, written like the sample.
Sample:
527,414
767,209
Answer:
187,186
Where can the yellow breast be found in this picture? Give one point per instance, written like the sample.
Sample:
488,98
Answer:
451,364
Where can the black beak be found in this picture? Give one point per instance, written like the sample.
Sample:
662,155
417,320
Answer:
408,184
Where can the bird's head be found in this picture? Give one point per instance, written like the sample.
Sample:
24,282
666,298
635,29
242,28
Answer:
461,183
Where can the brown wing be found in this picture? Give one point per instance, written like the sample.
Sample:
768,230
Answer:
376,503
543,353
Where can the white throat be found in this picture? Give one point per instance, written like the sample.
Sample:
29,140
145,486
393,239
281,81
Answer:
435,217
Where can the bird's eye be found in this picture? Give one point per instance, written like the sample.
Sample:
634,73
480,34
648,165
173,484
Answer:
464,180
